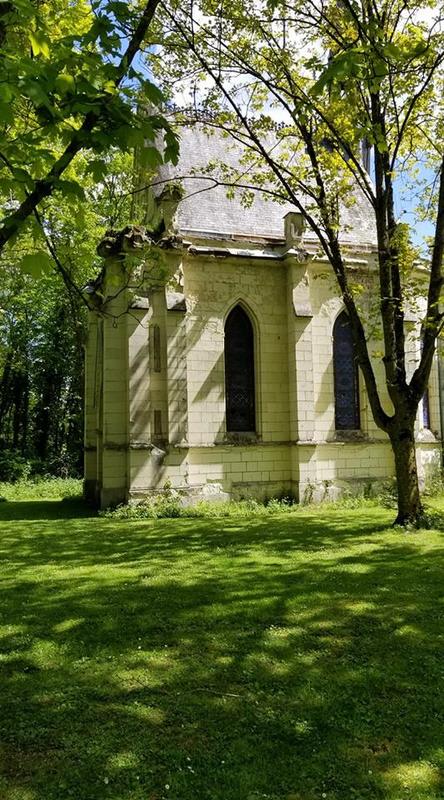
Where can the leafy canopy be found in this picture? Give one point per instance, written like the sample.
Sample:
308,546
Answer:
61,62
317,68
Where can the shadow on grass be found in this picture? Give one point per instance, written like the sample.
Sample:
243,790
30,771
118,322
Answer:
281,657
68,508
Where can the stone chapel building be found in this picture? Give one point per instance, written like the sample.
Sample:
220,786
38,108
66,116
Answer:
220,362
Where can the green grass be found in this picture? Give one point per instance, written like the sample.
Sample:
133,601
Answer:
296,656
49,488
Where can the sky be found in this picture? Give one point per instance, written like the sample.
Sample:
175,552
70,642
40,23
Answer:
405,204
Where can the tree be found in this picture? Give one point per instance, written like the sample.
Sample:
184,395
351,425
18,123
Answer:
337,74
69,85
43,322
71,90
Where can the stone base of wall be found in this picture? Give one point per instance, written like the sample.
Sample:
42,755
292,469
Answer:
110,498
326,491
215,492
91,492
332,490
189,495
309,472
429,460
263,491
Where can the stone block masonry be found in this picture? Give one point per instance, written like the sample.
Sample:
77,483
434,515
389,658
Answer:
156,404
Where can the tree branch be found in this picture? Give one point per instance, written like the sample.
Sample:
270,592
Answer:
434,317
80,140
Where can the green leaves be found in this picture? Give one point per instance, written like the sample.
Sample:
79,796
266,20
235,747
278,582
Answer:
119,9
61,63
97,168
65,84
150,157
379,140
340,68
70,188
153,93
39,43
391,50
23,177
6,113
25,8
6,93
34,91
171,152
36,264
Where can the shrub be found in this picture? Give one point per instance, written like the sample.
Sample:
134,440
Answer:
434,483
13,466
169,505
45,487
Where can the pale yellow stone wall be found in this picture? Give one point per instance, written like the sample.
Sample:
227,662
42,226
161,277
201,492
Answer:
213,288
107,400
159,419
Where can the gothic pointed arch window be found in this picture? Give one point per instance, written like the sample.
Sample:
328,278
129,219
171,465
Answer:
239,372
345,376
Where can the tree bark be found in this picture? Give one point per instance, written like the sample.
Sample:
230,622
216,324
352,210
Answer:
402,438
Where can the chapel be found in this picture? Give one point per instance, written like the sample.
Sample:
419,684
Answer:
219,360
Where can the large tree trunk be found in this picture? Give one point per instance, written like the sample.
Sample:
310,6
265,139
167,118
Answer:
402,438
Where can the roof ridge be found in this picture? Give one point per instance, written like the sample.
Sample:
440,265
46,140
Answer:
201,114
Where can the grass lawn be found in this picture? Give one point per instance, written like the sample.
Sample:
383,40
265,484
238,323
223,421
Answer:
290,657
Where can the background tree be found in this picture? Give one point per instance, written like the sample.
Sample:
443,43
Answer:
70,93
43,321
336,75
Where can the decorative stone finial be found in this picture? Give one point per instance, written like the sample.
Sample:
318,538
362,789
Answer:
131,238
294,226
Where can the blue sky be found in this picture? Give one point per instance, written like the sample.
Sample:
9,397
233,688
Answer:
405,206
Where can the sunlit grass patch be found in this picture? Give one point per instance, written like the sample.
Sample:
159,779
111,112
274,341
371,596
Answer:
418,778
297,654
42,488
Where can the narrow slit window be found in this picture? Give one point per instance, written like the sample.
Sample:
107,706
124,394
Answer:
239,372
156,348
345,376
157,422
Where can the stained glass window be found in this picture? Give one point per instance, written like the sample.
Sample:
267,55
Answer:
345,376
239,372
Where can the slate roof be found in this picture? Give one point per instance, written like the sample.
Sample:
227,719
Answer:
206,210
